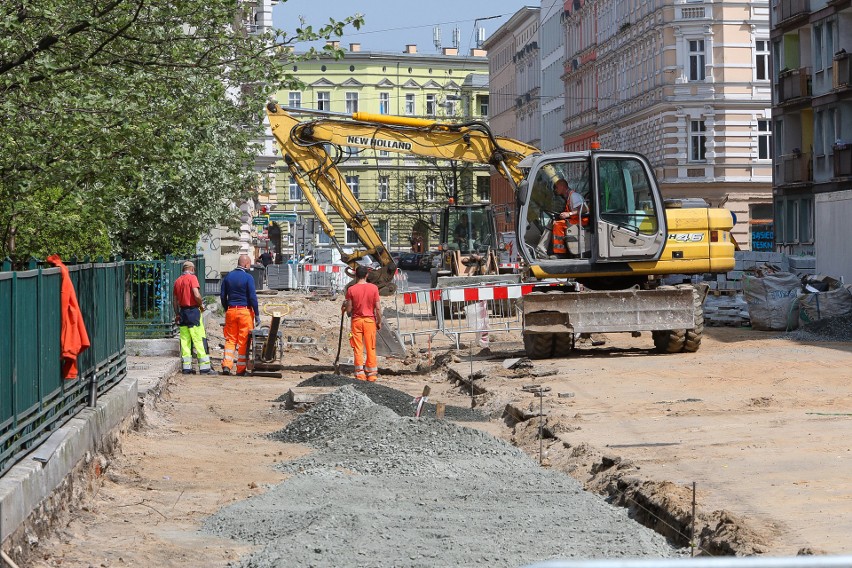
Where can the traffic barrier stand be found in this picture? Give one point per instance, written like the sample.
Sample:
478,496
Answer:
327,278
454,312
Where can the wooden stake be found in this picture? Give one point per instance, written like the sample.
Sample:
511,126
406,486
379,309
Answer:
440,407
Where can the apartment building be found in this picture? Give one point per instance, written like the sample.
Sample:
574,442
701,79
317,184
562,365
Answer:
812,115
402,195
514,71
685,83
552,90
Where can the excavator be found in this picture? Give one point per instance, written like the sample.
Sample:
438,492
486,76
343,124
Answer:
607,274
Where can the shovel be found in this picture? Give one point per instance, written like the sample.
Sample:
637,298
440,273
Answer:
339,343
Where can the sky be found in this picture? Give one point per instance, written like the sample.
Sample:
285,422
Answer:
391,25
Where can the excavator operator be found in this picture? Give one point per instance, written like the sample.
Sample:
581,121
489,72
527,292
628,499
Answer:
576,213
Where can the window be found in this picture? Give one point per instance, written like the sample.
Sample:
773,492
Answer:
351,103
697,141
761,60
384,103
431,184
384,188
354,185
295,190
450,184
431,105
696,60
383,153
482,103
764,139
410,192
323,100
351,237
295,99
409,104
818,47
382,229
483,188
450,107
761,231
794,219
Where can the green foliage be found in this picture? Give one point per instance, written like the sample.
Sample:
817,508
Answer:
128,125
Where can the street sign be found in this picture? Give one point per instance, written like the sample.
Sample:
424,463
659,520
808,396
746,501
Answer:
260,221
281,217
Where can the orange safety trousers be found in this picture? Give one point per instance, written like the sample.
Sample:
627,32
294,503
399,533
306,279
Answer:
361,338
238,325
560,231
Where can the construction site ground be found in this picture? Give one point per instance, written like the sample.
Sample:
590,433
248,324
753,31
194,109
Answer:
759,422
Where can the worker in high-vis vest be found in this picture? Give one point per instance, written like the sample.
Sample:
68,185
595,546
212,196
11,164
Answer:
575,214
239,298
363,307
188,305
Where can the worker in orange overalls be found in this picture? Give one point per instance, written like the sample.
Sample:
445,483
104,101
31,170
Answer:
575,213
362,305
239,298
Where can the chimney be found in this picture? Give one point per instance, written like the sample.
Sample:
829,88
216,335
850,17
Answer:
478,52
354,47
450,51
333,43
410,48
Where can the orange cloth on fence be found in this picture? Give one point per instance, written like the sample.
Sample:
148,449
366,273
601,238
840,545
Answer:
73,337
363,338
238,325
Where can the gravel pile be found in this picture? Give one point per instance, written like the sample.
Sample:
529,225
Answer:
383,490
398,401
828,329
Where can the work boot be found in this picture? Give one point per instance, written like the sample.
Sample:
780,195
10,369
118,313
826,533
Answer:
207,372
226,370
188,372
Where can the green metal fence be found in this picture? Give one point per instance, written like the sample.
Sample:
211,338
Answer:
148,295
34,399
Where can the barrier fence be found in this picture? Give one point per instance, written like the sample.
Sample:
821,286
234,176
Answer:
331,278
34,398
464,310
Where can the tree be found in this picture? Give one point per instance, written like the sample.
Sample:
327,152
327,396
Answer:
128,124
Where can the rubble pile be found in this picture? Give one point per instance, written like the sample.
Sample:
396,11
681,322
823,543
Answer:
384,490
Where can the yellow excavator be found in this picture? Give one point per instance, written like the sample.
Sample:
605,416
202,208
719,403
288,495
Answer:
606,274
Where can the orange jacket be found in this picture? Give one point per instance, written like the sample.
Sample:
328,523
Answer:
73,337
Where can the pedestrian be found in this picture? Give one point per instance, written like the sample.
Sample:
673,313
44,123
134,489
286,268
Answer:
239,298
188,305
266,258
362,305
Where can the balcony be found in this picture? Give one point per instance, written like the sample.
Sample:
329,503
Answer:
791,9
797,168
793,84
842,160
842,72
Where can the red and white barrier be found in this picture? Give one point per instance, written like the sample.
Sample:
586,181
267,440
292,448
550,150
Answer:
468,294
324,268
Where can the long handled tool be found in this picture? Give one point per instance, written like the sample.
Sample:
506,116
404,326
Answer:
339,343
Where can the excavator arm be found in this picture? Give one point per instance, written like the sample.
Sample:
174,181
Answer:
305,147
468,142
313,167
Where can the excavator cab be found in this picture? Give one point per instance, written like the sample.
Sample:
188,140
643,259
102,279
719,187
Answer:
615,212
468,237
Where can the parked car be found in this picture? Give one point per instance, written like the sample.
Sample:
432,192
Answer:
410,261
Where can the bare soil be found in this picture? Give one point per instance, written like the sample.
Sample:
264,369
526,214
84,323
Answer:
761,425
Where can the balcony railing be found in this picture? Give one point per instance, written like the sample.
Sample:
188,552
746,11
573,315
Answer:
794,84
842,72
842,160
797,168
793,8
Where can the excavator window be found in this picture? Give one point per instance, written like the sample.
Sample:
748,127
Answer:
626,197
